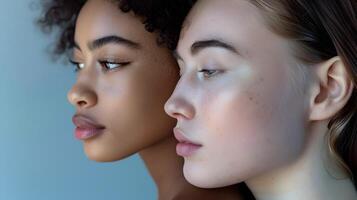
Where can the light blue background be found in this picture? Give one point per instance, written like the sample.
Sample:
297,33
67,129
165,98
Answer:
39,157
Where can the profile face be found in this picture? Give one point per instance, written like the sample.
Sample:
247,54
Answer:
122,84
240,103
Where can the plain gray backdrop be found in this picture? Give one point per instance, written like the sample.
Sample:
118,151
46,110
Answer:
39,157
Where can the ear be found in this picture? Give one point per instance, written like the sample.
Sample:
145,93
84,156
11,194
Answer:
331,89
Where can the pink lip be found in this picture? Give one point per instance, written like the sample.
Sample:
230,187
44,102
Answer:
86,127
185,147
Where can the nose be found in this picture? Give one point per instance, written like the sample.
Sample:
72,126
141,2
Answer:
178,106
82,96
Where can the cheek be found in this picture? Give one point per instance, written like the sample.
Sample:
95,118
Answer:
133,115
117,111
242,108
136,95
251,125
241,120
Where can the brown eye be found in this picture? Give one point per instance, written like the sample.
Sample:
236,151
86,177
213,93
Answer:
113,65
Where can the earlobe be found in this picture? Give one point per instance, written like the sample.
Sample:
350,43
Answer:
331,89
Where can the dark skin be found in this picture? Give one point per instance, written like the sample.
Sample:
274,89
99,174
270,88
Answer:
122,84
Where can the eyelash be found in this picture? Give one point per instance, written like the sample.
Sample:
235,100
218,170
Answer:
208,73
104,63
77,65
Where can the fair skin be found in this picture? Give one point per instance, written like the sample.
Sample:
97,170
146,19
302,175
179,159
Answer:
248,110
128,98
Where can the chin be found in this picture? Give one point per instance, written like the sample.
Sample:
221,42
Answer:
103,155
100,159
203,177
198,176
95,156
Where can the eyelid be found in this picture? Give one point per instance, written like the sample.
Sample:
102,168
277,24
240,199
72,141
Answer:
77,64
119,64
209,73
210,70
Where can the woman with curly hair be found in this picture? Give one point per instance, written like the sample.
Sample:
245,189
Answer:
268,96
126,72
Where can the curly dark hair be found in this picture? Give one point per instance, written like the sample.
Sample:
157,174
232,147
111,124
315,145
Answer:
162,16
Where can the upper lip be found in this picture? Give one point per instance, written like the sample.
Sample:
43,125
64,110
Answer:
179,135
85,122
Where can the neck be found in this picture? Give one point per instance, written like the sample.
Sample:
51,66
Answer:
314,175
165,167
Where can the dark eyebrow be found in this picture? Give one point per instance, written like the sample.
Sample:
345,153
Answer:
202,44
112,39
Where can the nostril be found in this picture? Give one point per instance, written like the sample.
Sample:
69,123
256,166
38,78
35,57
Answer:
179,108
81,103
175,114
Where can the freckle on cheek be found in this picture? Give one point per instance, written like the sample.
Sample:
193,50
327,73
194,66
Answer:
253,100
251,95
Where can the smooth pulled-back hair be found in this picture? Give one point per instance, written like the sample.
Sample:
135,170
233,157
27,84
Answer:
320,30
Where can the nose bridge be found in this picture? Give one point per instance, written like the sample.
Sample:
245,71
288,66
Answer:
185,87
83,93
89,73
182,101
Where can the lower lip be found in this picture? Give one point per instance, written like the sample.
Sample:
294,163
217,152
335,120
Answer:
83,133
186,149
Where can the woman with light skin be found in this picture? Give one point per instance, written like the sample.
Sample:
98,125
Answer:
126,72
268,96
